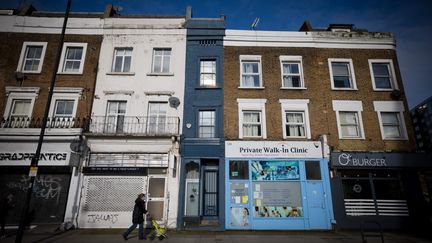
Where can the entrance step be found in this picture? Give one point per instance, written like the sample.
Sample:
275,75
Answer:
209,222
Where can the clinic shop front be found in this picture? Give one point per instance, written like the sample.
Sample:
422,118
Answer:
277,185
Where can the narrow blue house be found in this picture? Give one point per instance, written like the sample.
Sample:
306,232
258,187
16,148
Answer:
201,194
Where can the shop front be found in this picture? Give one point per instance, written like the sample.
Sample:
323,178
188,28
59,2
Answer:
381,187
49,201
277,185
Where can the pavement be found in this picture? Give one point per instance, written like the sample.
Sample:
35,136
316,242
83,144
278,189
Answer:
48,234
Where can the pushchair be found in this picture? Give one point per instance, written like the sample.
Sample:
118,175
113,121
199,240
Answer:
158,231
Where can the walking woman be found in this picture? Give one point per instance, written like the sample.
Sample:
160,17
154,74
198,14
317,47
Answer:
137,218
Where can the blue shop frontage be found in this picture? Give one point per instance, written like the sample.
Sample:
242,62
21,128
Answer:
277,185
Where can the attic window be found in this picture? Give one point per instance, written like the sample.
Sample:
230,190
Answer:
207,42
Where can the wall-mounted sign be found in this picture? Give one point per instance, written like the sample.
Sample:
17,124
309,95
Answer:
24,158
379,160
273,149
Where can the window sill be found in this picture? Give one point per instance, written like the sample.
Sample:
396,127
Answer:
341,138
29,72
395,139
207,87
160,74
384,90
299,88
251,87
121,73
344,89
69,73
296,138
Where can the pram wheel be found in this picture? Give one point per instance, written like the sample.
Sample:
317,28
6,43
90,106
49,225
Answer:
152,236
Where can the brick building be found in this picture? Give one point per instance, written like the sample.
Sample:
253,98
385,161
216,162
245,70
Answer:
28,46
338,88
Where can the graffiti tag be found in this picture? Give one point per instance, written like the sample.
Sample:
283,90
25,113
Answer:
95,218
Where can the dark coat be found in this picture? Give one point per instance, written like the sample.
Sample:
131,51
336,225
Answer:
139,211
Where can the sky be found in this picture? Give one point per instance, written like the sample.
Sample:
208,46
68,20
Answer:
410,21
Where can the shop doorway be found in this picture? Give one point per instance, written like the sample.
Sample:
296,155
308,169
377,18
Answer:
210,205
316,205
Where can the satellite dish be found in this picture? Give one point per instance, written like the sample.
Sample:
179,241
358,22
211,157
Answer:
174,102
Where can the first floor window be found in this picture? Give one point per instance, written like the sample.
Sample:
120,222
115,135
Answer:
20,109
252,124
391,124
349,124
295,124
206,124
32,58
115,116
63,108
342,73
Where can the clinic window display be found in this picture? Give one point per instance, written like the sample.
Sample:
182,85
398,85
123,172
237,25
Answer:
276,189
239,193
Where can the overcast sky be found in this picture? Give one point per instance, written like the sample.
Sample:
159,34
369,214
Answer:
409,20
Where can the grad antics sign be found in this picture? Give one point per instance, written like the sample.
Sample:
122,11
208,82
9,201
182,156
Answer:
273,149
24,158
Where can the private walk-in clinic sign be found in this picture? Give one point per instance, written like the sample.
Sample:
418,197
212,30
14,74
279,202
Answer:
273,149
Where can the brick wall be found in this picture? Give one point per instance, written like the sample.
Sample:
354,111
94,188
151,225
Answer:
317,82
10,50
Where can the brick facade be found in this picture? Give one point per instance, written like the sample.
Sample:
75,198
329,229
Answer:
319,92
11,46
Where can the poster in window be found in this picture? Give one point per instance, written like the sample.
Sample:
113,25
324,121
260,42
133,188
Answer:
275,170
239,217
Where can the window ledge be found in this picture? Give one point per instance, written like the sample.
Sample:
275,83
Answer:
29,72
344,89
352,138
395,139
383,90
208,87
160,74
121,73
251,87
69,73
299,88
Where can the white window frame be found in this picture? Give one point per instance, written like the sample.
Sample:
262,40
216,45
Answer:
20,93
351,70
201,72
349,106
391,106
295,105
123,58
251,58
201,125
66,45
153,71
65,93
252,105
21,62
393,80
292,59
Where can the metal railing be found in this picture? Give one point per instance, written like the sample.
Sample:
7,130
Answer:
134,125
53,122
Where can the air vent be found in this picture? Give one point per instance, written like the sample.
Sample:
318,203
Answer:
207,42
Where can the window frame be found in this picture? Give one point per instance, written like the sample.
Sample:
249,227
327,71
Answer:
292,59
252,105
65,93
393,107
349,106
295,105
20,93
350,69
201,72
22,59
201,125
62,64
123,58
153,71
392,73
251,59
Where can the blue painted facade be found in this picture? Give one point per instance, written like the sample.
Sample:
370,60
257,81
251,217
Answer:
201,192
306,204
